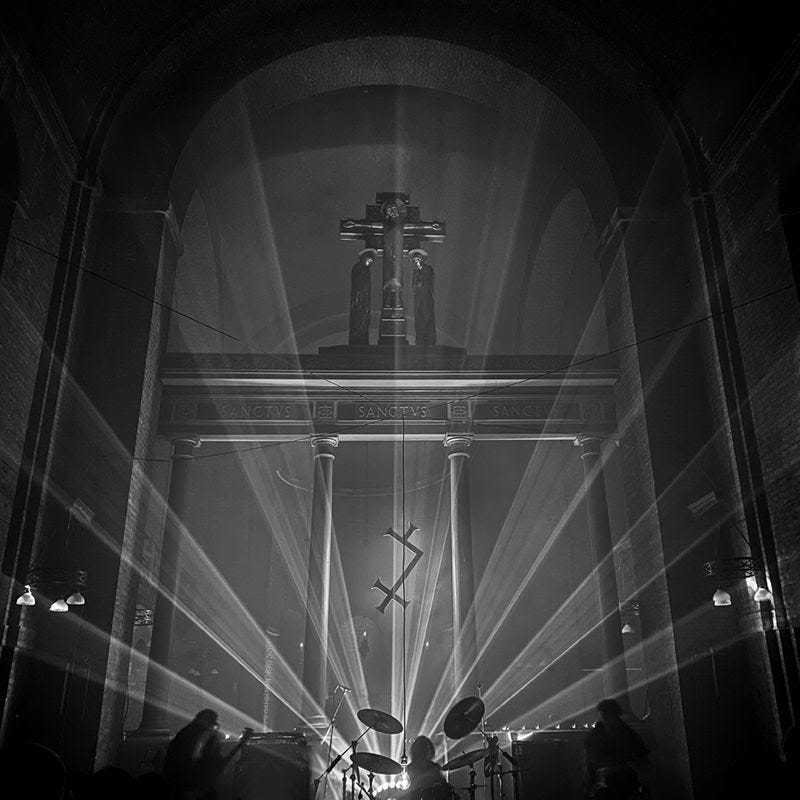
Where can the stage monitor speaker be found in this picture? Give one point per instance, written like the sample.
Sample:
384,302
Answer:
549,769
272,766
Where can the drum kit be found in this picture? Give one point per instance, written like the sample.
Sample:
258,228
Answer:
462,719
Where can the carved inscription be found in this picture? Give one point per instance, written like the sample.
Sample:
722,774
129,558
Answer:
367,412
545,409
258,411
247,411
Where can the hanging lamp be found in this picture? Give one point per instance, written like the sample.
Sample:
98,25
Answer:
26,598
721,597
762,595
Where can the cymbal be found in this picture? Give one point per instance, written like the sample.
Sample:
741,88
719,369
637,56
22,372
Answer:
465,759
380,721
463,717
382,765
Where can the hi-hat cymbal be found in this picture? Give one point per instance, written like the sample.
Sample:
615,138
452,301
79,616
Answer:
380,721
465,759
463,717
381,765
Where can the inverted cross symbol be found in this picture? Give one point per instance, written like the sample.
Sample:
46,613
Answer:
391,594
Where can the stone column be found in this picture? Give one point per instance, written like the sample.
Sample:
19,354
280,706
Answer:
155,714
614,675
315,642
465,648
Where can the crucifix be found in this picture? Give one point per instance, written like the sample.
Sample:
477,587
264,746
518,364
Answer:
391,226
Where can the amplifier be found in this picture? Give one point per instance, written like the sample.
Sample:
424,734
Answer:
273,766
550,768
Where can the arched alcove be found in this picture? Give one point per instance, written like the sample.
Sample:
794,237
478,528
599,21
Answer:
427,119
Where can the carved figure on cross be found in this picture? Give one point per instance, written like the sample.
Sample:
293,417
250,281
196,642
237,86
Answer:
392,227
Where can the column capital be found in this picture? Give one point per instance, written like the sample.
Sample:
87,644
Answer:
592,443
325,444
183,445
458,443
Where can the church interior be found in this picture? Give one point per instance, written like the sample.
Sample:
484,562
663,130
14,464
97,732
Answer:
374,371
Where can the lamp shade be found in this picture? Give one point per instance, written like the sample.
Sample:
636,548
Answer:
721,598
627,628
26,598
76,599
762,595
59,606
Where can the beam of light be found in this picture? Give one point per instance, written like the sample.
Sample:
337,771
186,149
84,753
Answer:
651,376
501,685
492,569
421,586
646,678
234,629
438,712
234,718
226,604
506,199
438,551
506,560
276,285
287,515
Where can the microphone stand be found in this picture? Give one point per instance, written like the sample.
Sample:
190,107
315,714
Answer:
338,758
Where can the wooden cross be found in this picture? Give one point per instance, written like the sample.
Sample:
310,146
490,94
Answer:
392,227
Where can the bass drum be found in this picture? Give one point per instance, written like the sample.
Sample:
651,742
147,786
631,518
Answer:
439,791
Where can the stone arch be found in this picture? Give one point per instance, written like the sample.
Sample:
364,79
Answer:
144,121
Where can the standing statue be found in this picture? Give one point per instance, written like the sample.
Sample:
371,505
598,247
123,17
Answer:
360,291
424,316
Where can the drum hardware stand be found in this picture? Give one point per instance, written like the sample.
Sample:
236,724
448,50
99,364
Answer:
353,770
472,785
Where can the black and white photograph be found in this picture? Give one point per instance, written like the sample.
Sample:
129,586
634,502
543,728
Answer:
399,400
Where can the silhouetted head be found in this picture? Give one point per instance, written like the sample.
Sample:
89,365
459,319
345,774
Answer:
208,718
110,782
422,749
36,767
609,710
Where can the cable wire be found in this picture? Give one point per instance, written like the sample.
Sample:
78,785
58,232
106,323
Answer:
405,593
